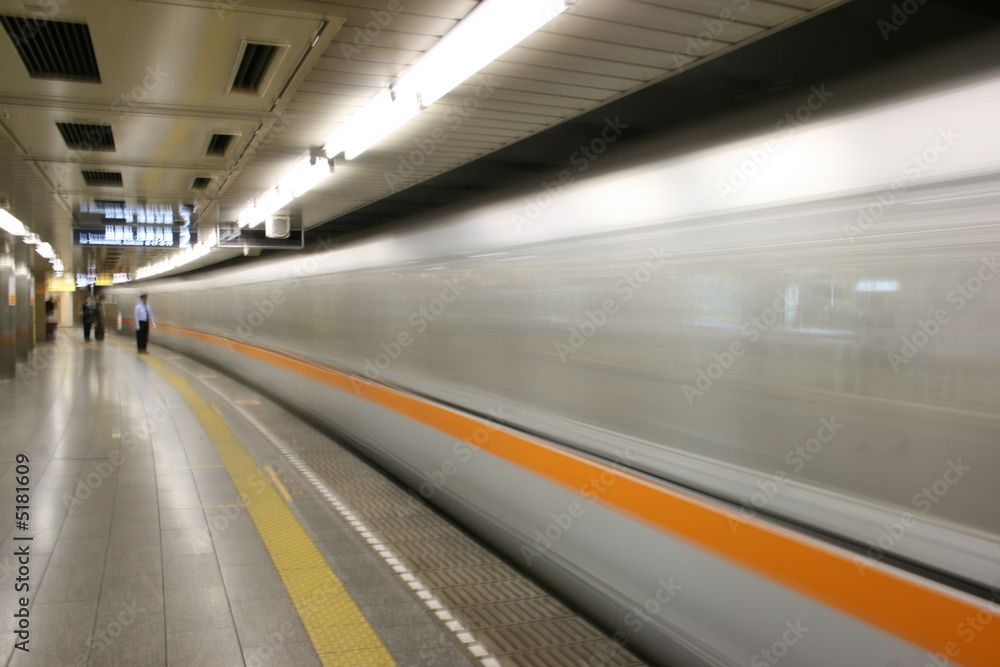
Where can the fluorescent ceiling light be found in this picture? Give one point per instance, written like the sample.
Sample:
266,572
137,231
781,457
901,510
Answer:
381,116
11,225
489,31
45,250
300,179
304,176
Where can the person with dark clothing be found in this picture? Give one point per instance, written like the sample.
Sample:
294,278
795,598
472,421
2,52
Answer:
50,319
99,319
88,318
143,320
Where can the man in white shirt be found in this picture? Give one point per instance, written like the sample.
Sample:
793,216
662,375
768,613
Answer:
143,320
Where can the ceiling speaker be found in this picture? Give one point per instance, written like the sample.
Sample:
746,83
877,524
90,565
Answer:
277,226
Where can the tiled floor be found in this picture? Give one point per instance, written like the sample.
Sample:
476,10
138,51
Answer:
141,551
125,568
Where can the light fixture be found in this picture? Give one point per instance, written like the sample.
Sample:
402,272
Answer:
45,250
379,117
486,33
11,225
306,174
489,31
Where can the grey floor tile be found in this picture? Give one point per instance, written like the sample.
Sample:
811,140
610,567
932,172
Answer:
230,521
190,609
187,542
78,551
233,550
72,583
198,571
299,655
187,518
92,525
139,642
138,512
143,594
204,648
252,582
268,621
140,560
146,533
46,656
64,624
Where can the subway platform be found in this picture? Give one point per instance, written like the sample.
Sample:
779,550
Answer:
160,513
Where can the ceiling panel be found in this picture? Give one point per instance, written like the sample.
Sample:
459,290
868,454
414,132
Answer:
166,67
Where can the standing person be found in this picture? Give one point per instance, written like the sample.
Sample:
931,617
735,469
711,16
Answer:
88,318
143,320
99,319
50,319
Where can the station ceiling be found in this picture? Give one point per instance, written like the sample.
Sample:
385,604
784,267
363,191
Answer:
168,107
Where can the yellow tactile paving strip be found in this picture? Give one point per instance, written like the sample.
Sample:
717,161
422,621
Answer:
338,630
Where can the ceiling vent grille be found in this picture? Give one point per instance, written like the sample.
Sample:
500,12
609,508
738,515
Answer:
87,137
102,178
54,49
253,65
219,144
200,183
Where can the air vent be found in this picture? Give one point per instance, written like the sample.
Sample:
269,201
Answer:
199,183
87,137
219,144
53,49
102,178
253,65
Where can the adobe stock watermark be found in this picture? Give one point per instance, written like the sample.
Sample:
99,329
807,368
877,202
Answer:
582,159
263,309
263,654
913,169
104,637
628,286
967,630
102,471
757,156
898,17
42,12
697,45
124,104
636,618
462,450
425,147
40,358
797,458
779,647
927,330
419,321
753,329
564,520
365,34
923,502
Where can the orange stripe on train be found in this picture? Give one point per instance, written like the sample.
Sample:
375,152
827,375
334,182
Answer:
924,614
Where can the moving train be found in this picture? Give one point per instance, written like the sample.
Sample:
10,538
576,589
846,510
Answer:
738,403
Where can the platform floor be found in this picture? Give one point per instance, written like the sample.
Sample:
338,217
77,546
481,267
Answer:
177,517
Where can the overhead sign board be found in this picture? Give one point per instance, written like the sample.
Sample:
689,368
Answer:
62,284
143,236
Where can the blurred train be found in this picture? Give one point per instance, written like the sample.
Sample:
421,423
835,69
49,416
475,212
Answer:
739,404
